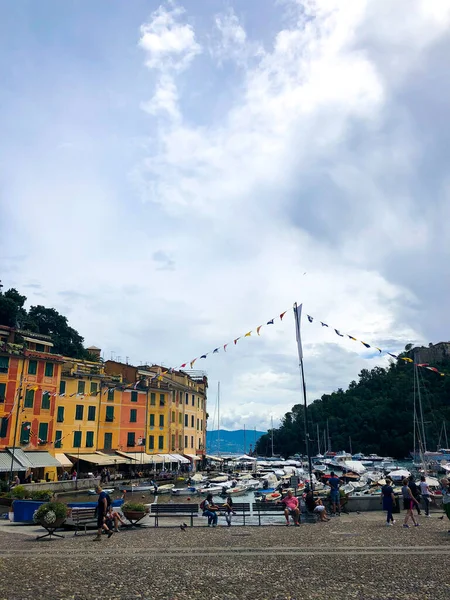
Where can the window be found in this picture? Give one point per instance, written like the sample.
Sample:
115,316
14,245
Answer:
134,396
173,441
91,413
161,420
185,441
198,424
107,445
29,399
42,433
111,395
187,398
180,442
198,402
40,348
93,388
152,420
173,417
133,415
192,441
81,387
58,439
77,439
151,442
109,414
60,414
49,369
161,399
193,400
192,421
32,367
2,392
180,418
89,439
79,412
201,424
45,404
130,438
25,432
4,364
161,442
199,443
62,387
3,427
153,399
186,420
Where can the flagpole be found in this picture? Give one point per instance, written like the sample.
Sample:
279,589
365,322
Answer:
297,316
19,398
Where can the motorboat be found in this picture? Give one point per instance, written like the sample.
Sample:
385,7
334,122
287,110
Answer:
320,468
94,493
398,475
219,479
235,491
272,497
355,466
137,488
187,491
259,493
166,488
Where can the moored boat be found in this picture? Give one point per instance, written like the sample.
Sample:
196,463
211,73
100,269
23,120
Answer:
188,491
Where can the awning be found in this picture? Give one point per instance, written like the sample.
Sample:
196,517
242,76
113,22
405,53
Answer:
63,460
99,460
42,459
216,458
193,457
137,458
5,463
179,458
21,458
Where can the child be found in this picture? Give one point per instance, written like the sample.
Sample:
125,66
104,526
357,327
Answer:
229,510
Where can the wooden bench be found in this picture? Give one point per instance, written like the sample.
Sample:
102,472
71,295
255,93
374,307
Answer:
174,510
242,509
266,508
82,516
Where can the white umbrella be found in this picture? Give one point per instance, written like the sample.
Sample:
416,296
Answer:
244,457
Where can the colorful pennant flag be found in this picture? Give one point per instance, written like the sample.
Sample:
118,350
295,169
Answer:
366,345
225,347
248,334
203,356
192,362
323,324
282,315
236,340
270,322
310,319
339,334
215,350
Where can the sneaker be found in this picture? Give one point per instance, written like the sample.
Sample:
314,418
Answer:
110,532
97,538
416,524
393,522
405,525
116,530
428,516
388,524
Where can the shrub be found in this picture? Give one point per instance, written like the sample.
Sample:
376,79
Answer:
51,512
134,506
44,495
20,492
3,486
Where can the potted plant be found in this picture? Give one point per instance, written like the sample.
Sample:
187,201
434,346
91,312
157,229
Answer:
134,511
51,515
44,495
20,492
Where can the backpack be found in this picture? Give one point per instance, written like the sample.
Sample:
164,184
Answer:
202,504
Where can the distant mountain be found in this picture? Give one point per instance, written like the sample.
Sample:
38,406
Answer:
232,441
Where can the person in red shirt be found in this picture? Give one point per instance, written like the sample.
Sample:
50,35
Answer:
291,508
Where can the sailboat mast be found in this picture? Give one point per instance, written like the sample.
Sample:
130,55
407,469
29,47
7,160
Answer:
245,443
424,439
271,420
328,437
218,418
318,439
445,435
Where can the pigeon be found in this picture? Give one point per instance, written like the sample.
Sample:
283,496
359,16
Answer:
183,527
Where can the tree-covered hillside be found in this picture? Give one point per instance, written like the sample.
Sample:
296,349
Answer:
376,413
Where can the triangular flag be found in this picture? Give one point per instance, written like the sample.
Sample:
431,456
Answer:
423,365
352,338
406,359
258,328
379,350
310,319
393,355
340,334
323,324
366,345
270,322
248,334
203,356
282,315
225,347
192,362
236,340
183,365
215,350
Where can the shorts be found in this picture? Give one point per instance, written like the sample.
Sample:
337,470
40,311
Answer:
100,520
292,510
319,509
407,504
335,496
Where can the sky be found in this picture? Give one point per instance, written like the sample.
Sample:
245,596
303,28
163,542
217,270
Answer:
174,174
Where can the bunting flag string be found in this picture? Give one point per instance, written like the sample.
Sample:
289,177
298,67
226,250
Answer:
406,359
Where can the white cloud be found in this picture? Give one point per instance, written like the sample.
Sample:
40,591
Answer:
164,100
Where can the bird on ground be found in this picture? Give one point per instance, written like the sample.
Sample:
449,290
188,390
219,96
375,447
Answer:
183,527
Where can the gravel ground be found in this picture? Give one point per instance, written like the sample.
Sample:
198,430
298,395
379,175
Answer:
353,556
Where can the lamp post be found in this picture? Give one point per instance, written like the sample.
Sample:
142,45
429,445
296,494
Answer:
78,459
19,398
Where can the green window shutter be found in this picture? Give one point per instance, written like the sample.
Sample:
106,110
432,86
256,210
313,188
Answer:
49,368
161,420
192,421
133,415
89,439
81,387
77,439
151,442
152,420
187,398
93,387
60,414
186,420
29,399
180,442
162,399
62,387
43,432
25,432
180,418
3,427
45,404
193,400
108,441
2,392
130,439
110,395
91,413
161,442
153,399
4,364
32,367
79,412
109,414
58,439
173,441
134,396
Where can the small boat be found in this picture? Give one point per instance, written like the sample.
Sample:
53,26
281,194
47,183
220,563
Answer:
259,493
166,488
269,497
237,491
188,491
137,488
220,479
211,489
94,493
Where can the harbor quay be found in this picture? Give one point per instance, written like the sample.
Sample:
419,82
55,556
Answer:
352,556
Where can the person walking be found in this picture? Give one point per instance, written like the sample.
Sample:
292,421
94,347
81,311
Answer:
425,493
388,496
415,492
335,498
408,504
102,511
